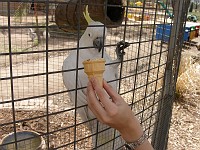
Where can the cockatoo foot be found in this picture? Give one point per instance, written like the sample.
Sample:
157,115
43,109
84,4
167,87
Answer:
120,49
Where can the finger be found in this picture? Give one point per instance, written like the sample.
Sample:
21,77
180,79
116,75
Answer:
102,95
111,92
93,102
95,112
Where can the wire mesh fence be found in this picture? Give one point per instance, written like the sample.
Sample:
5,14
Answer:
36,36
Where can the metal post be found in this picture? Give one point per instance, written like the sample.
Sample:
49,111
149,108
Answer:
161,129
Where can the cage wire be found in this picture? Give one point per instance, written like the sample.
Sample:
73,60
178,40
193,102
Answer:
34,42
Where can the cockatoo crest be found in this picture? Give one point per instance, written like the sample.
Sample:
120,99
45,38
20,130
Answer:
87,16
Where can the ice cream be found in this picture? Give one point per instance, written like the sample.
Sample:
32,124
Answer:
95,68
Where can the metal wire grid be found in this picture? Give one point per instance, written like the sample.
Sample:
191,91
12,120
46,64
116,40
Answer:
33,96
171,71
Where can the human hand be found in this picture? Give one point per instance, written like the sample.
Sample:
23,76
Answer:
110,108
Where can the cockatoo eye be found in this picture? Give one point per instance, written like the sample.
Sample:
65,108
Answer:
89,34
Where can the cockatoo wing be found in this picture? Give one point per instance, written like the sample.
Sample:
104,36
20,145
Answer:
77,98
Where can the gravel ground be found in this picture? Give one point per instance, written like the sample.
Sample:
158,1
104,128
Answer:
184,133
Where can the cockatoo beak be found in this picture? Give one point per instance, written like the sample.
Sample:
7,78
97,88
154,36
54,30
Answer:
98,43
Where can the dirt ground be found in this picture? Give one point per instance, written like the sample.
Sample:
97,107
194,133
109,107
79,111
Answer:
184,133
30,84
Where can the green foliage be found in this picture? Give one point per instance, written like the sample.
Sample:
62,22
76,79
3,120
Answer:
35,42
21,11
197,14
131,4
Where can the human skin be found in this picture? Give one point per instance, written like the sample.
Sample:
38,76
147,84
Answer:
110,108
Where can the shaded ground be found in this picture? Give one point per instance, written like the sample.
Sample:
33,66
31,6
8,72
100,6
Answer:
184,133
62,123
30,84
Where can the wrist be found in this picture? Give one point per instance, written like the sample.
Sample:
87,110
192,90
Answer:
137,143
132,132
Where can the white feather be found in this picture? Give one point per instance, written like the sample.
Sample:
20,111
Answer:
69,78
44,34
32,34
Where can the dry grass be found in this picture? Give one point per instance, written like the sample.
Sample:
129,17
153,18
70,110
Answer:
184,133
189,73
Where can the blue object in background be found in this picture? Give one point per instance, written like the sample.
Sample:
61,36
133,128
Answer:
163,32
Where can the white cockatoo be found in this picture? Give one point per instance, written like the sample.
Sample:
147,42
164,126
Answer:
32,34
90,46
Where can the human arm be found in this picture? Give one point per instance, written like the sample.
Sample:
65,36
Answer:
114,112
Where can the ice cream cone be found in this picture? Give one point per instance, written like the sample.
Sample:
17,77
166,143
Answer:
95,68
